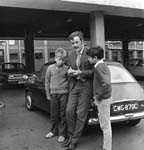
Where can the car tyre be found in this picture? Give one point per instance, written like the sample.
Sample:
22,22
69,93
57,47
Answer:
29,102
133,122
5,86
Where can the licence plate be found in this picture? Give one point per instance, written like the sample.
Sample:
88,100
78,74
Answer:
125,107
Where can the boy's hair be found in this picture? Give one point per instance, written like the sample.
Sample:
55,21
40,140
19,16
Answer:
96,51
60,52
76,33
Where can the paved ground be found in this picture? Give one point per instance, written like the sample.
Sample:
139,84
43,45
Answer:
24,130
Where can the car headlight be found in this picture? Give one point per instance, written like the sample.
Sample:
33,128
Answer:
25,77
10,76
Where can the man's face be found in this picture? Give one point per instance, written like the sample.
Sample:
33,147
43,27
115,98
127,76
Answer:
77,44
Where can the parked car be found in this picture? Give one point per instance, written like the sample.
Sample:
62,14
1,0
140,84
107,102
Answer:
127,96
12,74
136,67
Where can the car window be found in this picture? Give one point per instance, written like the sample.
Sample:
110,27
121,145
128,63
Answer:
43,72
136,62
119,74
13,67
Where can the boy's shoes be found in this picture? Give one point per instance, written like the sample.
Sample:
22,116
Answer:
49,135
99,148
66,143
61,139
71,146
2,105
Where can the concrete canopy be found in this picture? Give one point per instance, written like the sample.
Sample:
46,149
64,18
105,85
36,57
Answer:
58,18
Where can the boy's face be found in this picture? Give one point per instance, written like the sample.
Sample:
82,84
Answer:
59,61
92,60
77,43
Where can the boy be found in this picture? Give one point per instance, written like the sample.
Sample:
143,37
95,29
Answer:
56,86
102,94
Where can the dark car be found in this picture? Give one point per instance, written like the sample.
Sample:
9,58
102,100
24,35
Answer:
136,67
12,74
127,96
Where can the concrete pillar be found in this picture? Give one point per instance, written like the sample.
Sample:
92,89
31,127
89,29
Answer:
135,54
20,52
143,50
45,51
97,29
125,49
109,54
119,55
29,51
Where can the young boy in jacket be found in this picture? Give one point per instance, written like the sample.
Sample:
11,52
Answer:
102,94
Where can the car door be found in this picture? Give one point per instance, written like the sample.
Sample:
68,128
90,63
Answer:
39,90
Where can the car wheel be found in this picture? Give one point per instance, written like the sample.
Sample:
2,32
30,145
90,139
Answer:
28,102
5,86
133,122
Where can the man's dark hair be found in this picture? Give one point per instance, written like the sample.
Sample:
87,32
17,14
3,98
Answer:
76,33
96,51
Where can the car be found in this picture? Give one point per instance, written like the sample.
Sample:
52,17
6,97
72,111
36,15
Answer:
127,96
136,67
12,73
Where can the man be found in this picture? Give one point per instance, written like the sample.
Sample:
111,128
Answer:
80,90
102,90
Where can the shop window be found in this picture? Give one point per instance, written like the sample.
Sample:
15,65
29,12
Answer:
13,56
38,56
115,55
52,55
139,54
23,55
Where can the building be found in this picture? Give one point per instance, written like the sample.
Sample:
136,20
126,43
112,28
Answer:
44,50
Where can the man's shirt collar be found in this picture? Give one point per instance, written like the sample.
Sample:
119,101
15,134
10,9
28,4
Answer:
80,51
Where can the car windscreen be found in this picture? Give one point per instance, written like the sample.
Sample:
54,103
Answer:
120,75
13,68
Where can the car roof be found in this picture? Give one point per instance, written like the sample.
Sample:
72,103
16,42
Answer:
49,63
12,63
115,63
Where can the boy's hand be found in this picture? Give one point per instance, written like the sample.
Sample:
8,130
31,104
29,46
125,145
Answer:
48,97
95,100
70,71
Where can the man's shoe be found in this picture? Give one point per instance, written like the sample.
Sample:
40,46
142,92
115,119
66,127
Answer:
66,143
71,147
61,139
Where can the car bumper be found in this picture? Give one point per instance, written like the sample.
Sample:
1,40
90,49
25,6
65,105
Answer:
120,118
13,82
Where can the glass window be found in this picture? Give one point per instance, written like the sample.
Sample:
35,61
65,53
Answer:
119,75
38,56
13,56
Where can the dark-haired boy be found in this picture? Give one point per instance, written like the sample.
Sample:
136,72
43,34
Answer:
102,94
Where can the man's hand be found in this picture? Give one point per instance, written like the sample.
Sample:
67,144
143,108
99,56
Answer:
96,101
73,72
77,72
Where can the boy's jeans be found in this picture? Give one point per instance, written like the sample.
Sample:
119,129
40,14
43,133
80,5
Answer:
104,120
